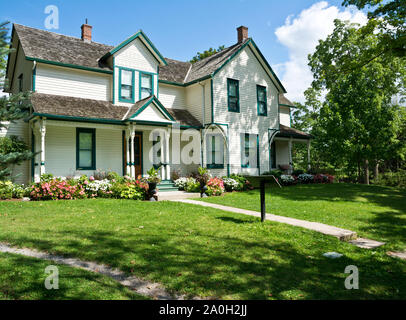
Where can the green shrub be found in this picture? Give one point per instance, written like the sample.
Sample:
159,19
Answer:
192,185
392,179
6,190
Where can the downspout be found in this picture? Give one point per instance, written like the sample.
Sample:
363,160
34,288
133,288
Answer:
203,117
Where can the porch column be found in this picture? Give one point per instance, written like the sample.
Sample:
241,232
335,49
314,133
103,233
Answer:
167,155
290,155
132,152
128,147
43,132
308,155
35,131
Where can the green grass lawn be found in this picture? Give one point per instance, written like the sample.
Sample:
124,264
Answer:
374,212
201,251
23,278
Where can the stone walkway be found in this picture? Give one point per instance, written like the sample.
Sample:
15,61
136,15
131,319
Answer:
142,287
341,234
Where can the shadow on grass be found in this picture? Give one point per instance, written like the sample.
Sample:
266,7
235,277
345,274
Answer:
220,266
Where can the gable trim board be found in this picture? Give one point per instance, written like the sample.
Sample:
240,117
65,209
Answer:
67,65
145,40
159,105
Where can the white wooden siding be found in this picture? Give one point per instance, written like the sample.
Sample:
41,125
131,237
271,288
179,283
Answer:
72,82
135,55
284,116
246,68
194,101
60,150
172,96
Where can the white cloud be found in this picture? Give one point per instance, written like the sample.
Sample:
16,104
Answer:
301,35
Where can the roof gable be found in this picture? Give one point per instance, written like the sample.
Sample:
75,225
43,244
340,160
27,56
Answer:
145,40
149,109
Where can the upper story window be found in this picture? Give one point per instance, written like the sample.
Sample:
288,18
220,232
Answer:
233,95
126,85
261,101
20,83
146,86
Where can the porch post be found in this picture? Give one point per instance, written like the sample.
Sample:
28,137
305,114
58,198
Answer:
128,147
43,132
35,131
290,155
167,155
308,155
132,152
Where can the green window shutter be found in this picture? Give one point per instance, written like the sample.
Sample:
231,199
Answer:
233,95
262,107
85,149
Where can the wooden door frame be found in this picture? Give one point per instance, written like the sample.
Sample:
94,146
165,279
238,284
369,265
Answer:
125,146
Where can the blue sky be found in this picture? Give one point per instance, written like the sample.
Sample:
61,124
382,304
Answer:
180,28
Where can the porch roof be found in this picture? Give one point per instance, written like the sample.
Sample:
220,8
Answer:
288,132
71,108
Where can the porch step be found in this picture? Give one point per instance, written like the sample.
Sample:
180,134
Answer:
166,186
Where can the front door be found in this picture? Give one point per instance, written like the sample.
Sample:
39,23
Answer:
138,154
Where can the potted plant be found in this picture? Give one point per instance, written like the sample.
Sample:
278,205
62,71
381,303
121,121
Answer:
203,177
153,179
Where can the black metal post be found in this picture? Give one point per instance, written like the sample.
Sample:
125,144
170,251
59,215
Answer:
262,192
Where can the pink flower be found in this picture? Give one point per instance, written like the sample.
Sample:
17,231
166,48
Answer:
91,178
86,182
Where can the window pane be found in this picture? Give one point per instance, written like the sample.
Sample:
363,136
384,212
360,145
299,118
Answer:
233,89
126,77
145,93
85,158
146,81
126,92
85,140
261,95
262,108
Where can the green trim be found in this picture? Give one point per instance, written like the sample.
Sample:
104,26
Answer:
140,73
259,87
114,80
68,65
77,119
34,74
152,123
14,67
42,163
212,102
229,82
287,105
187,83
172,83
93,150
120,98
160,107
130,39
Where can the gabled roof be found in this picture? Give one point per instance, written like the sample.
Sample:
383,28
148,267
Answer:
89,110
175,71
141,105
283,101
49,46
144,39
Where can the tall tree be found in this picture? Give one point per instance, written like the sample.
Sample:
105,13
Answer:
387,21
12,108
207,53
357,123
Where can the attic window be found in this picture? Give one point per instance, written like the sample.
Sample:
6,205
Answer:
146,87
126,85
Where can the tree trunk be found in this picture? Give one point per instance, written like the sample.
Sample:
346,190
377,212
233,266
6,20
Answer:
366,171
376,171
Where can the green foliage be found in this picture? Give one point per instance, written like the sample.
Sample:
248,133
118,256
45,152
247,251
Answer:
6,190
357,124
47,177
393,179
131,191
207,53
153,175
192,185
4,50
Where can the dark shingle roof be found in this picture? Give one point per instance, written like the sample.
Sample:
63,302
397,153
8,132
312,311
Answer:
76,107
184,117
292,132
285,101
175,71
48,104
41,44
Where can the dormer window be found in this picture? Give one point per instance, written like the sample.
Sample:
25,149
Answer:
126,85
146,87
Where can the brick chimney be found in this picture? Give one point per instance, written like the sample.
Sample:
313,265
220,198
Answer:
242,33
86,32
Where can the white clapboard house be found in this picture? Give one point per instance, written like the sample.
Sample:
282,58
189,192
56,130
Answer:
97,107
